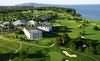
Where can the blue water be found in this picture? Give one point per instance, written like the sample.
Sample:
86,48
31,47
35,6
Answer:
88,11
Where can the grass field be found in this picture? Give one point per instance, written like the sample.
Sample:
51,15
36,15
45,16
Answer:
9,43
48,46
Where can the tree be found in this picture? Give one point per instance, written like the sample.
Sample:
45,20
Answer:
94,44
63,39
97,28
81,43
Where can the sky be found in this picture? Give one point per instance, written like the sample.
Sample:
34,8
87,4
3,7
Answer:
61,2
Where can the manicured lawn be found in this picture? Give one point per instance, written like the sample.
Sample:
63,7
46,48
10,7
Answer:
9,43
55,56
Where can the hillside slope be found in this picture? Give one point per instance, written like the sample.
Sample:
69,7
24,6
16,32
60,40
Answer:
14,47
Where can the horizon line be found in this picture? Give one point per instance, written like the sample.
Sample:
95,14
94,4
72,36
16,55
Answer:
52,4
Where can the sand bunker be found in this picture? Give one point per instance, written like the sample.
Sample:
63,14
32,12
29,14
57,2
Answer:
69,55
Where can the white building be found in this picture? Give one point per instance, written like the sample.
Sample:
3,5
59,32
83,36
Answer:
31,23
19,22
44,26
33,34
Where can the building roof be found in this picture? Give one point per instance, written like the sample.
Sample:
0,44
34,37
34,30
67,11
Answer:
4,23
32,34
20,22
1,25
44,28
26,32
31,22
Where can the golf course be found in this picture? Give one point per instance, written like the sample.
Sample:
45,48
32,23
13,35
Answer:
73,37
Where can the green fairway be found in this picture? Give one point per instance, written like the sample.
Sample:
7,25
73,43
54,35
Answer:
14,44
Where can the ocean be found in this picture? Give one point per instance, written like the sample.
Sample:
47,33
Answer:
88,11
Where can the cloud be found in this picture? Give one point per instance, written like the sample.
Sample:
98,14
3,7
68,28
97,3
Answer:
67,2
